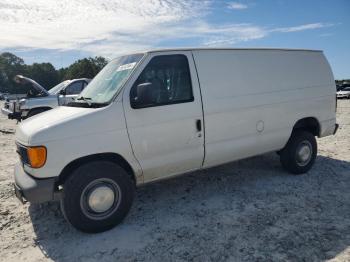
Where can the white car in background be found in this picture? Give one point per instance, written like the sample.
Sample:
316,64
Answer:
344,93
38,99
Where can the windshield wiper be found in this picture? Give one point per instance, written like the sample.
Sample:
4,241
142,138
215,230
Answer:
88,103
86,99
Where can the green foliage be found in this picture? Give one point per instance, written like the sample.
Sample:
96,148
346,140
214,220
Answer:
81,68
100,62
10,65
87,67
342,82
44,73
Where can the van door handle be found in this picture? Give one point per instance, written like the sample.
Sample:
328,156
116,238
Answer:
199,125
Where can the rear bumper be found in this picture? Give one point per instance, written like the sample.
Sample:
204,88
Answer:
28,188
328,127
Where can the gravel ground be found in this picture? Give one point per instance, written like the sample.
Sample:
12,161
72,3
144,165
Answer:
250,210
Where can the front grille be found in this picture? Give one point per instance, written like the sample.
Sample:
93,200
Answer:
22,151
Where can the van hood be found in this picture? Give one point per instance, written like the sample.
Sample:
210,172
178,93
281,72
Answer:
51,125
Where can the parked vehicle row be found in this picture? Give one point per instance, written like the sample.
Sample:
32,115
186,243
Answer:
3,96
154,115
344,92
39,100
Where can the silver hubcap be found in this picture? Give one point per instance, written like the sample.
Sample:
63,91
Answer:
304,153
100,198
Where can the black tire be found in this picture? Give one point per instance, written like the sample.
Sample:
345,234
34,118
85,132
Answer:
36,111
75,202
291,160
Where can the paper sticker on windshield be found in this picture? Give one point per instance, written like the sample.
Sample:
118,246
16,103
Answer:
126,67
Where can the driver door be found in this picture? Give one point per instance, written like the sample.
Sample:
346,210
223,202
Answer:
166,135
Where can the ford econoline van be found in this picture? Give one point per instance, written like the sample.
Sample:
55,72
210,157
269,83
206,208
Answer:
154,115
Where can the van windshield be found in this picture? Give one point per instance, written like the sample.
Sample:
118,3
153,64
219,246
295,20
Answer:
108,81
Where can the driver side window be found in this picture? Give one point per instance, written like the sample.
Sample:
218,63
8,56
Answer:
74,88
165,80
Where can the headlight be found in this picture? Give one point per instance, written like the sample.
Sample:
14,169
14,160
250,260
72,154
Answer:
21,103
36,156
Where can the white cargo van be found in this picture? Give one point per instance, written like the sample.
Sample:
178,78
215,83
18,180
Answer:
154,115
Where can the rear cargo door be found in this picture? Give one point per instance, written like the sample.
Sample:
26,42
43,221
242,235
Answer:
166,129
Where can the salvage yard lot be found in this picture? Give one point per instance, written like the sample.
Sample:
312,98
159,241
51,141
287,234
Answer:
250,210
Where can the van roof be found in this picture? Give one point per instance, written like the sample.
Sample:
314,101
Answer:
228,48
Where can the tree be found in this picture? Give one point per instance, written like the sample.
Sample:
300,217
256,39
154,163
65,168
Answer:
10,65
44,73
11,59
99,62
81,68
85,68
62,73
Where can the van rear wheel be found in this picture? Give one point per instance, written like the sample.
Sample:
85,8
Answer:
299,155
97,196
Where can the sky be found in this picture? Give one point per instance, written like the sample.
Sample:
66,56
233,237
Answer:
63,31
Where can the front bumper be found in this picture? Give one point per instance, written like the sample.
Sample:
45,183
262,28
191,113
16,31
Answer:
6,111
28,188
343,96
11,115
335,129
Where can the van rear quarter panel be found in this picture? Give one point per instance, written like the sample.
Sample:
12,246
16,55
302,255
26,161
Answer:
247,90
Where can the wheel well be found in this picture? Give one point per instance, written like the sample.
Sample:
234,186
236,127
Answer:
112,157
309,124
39,108
42,107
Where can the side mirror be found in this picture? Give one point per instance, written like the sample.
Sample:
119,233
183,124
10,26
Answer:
62,92
142,95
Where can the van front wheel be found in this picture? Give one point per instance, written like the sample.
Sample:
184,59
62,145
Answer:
299,155
97,196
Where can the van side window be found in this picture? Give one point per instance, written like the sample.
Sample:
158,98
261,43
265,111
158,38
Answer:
165,80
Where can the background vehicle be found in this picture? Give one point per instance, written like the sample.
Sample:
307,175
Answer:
344,92
339,87
38,99
3,96
162,113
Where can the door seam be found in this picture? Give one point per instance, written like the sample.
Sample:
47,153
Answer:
200,92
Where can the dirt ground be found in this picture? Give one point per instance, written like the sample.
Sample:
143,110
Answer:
250,210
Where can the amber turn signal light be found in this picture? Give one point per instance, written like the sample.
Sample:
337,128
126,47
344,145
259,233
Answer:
36,156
